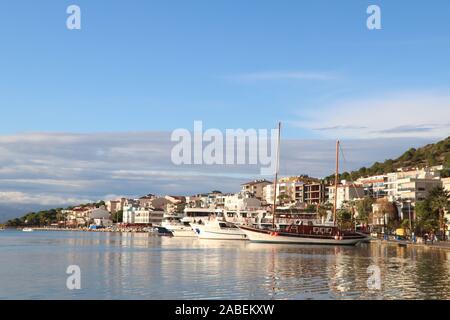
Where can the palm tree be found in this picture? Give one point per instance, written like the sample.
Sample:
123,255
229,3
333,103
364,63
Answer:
322,211
439,203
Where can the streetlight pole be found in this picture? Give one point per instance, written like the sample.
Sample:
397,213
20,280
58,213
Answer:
410,220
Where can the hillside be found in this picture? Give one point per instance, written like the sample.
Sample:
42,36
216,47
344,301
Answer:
430,155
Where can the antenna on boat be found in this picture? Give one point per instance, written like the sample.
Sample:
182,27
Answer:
336,180
276,176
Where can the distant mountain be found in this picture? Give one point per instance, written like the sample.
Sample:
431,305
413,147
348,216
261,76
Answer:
430,155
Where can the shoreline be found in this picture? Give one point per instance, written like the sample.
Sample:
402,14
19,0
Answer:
442,246
127,230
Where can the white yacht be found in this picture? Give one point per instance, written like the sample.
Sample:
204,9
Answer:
27,230
215,228
173,222
179,229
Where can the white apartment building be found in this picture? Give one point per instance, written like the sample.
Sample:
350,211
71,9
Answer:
255,187
241,202
346,191
129,213
148,216
412,185
288,191
374,186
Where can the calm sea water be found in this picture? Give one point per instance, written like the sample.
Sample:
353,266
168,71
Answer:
141,266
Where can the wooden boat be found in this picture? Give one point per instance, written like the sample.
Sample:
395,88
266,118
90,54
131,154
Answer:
304,234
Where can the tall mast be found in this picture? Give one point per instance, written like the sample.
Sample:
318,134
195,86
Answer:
276,177
336,180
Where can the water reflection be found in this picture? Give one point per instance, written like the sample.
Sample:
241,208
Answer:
141,266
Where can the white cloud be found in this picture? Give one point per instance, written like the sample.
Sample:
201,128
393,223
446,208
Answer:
424,114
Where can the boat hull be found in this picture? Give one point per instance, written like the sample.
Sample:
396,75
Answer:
266,236
205,232
185,233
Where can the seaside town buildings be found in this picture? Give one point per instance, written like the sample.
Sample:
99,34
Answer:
87,215
401,189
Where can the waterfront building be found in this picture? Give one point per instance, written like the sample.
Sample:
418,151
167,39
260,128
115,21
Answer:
288,192
374,186
148,216
129,214
315,192
406,187
242,201
412,185
383,211
346,191
255,187
115,205
146,201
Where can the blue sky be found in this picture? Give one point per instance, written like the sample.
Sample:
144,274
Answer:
86,114
160,65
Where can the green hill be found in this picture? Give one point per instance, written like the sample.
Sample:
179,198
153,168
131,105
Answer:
430,155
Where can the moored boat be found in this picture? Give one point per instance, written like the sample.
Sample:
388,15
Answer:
296,234
300,233
219,230
27,230
177,227
180,229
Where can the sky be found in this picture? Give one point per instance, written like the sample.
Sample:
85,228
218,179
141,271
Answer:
140,69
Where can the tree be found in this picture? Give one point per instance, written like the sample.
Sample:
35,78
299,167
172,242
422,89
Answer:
438,200
283,197
364,209
100,204
427,219
117,216
344,218
322,211
405,224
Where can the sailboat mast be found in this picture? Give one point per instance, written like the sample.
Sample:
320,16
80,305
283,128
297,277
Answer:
336,181
276,177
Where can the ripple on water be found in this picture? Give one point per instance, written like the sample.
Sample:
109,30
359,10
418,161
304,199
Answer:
145,267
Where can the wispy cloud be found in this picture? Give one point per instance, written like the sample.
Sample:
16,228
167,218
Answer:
282,75
419,128
350,127
412,114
